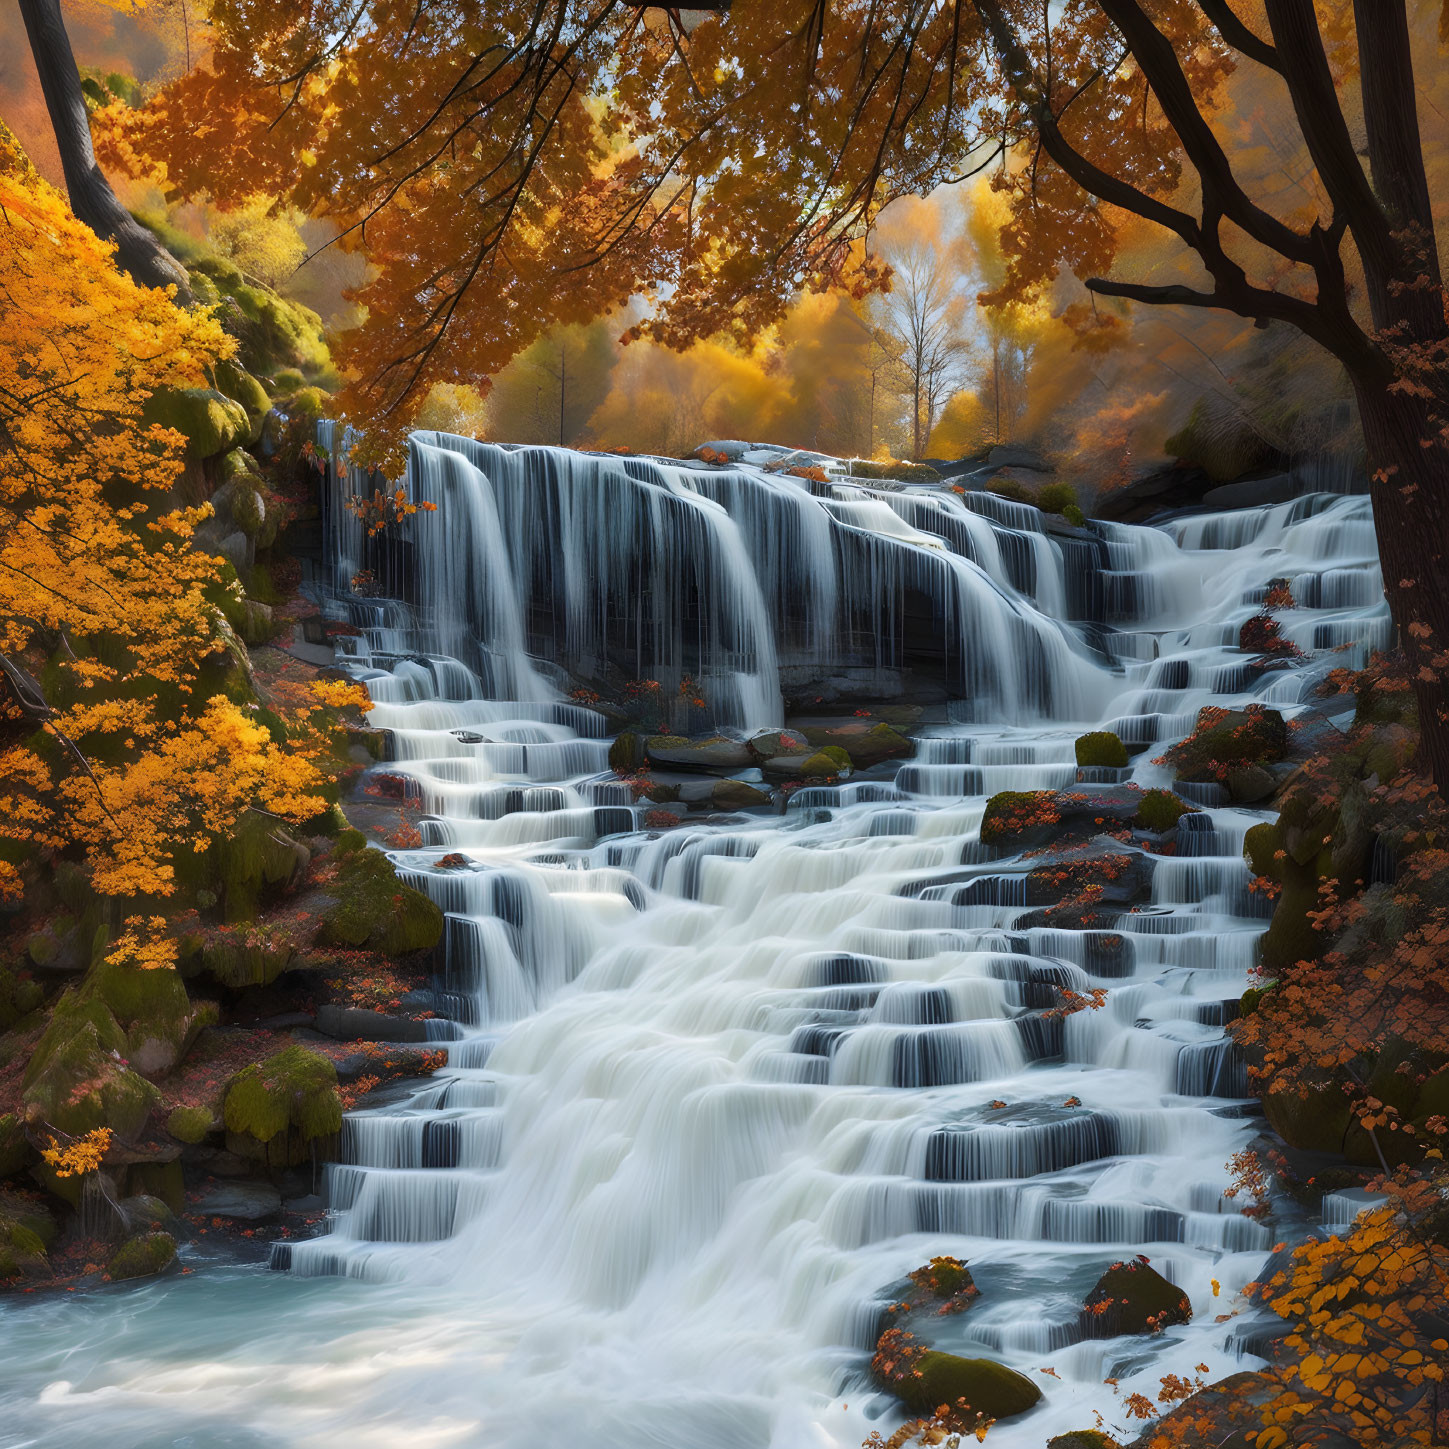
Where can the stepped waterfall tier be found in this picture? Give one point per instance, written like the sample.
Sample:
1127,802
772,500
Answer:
715,1084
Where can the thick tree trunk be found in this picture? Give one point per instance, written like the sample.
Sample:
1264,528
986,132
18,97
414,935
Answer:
1411,519
91,197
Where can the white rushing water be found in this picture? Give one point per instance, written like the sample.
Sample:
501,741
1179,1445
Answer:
713,1092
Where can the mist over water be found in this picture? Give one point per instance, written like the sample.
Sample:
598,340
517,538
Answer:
712,1092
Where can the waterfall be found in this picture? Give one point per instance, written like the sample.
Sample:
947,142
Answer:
716,1090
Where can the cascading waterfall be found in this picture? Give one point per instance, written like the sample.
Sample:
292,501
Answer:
712,1092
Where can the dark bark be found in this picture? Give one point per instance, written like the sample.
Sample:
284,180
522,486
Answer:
91,198
1411,520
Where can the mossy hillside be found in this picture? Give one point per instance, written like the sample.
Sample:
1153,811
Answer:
276,1108
374,909
143,1256
1101,749
258,853
989,1389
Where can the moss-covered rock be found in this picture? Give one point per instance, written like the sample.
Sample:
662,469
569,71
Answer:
153,1009
1160,810
239,385
626,754
1019,817
277,1108
143,1256
190,1124
76,1082
20,994
1133,1297
15,1150
238,960
737,795
375,909
1057,498
1101,749
162,1180
1225,739
989,1389
210,421
22,1248
825,764
255,854
1083,1439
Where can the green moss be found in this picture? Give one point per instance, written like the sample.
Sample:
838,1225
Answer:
626,754
22,1249
839,755
1250,1000
1135,1298
1074,515
144,1256
1261,847
1160,810
163,1180
990,1389
251,961
248,508
76,1083
823,764
288,380
1082,1439
1057,498
1254,736
1102,748
257,853
375,909
211,422
190,1124
237,383
292,1096
272,332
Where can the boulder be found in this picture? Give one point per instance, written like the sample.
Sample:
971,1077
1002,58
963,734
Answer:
373,908
737,795
1016,455
243,1200
777,744
290,1099
1101,748
865,744
1252,493
1082,1439
349,1023
711,753
1156,490
1251,783
1223,739
142,1257
990,1389
1133,1298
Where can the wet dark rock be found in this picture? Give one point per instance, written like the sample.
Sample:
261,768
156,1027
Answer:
245,1200
1252,492
351,1023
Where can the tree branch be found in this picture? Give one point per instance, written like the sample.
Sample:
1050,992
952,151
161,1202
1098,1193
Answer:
1233,30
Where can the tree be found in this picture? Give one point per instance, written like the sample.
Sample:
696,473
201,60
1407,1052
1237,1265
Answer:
923,312
723,169
127,738
91,196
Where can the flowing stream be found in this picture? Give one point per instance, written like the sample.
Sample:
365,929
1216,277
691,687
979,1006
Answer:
713,1091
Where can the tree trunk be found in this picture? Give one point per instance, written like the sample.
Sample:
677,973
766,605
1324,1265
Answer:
1411,519
91,197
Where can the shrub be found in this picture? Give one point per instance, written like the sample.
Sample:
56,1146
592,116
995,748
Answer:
1160,810
1057,498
